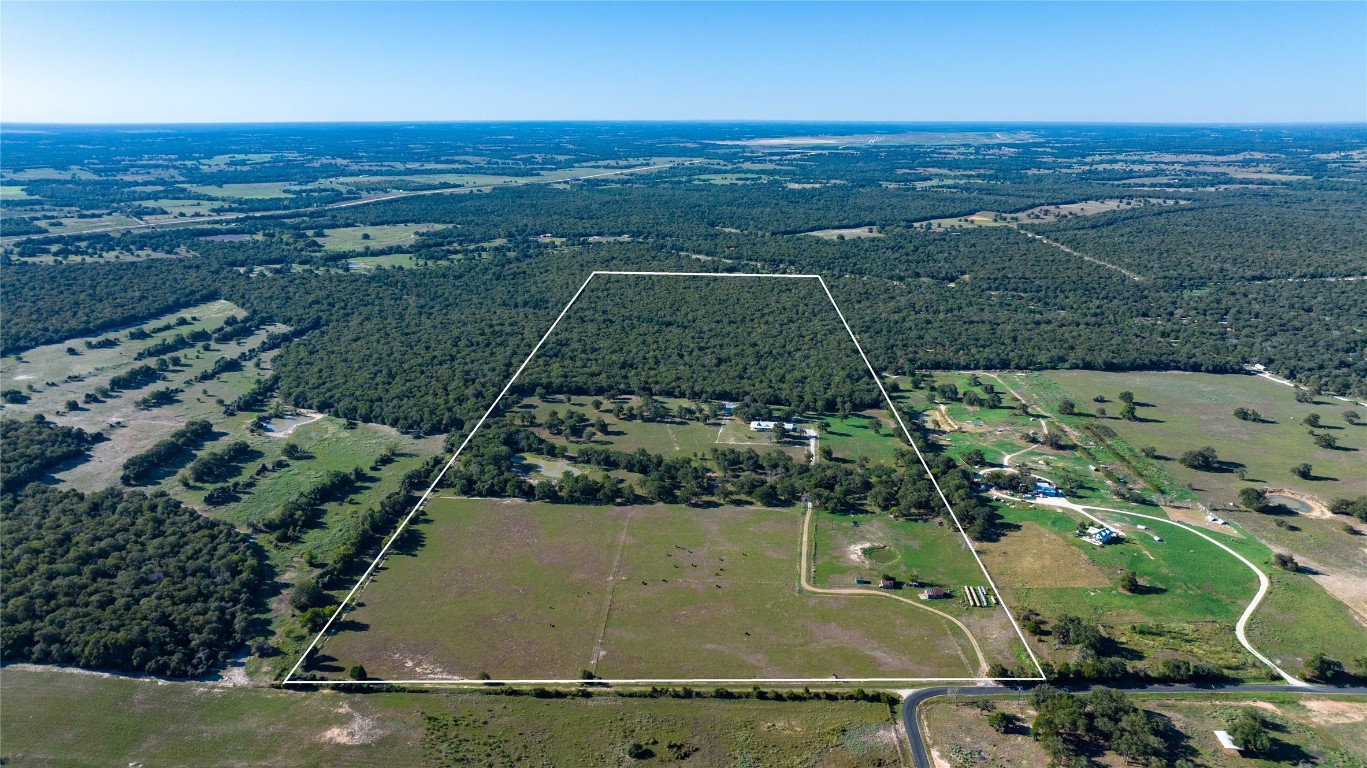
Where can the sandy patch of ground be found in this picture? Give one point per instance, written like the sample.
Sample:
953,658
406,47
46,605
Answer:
360,730
1350,590
422,668
939,761
1336,712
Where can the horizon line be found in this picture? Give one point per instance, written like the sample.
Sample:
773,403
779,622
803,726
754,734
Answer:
689,121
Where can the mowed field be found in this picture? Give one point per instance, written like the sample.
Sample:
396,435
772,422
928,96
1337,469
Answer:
522,590
71,719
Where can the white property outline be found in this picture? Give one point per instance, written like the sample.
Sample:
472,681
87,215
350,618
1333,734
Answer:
384,551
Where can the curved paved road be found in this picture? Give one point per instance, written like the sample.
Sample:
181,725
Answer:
921,756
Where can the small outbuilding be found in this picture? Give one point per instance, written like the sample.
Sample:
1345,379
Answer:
934,593
1227,742
887,583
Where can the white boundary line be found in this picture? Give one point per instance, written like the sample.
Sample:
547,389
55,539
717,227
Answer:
341,608
898,415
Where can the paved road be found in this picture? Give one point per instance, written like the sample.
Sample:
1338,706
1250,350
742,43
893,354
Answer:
921,756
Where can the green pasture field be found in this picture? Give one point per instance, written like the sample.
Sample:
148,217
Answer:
406,260
662,437
73,225
1318,730
1298,618
174,206
1193,593
1187,579
383,236
937,553
1188,411
253,190
13,192
1184,411
329,446
932,552
240,157
853,437
63,718
729,178
542,591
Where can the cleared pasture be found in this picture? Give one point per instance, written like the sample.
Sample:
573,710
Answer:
1183,411
528,590
382,236
63,718
250,190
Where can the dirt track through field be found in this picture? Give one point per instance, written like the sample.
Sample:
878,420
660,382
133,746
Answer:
805,566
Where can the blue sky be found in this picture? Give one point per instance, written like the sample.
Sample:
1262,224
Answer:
992,61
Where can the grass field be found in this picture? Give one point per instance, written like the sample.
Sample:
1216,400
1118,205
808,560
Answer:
72,225
13,192
174,206
383,236
1306,730
253,191
61,718
1193,593
1184,411
663,437
37,174
873,434
931,553
542,591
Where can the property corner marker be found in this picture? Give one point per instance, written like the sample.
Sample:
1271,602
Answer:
427,494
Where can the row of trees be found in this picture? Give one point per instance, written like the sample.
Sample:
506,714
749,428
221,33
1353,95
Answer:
177,445
489,467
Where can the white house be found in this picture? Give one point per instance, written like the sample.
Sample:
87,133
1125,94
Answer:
767,426
1100,536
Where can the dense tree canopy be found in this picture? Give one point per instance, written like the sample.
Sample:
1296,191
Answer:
28,449
124,581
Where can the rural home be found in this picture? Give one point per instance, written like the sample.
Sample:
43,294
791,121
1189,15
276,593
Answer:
934,593
766,426
1100,536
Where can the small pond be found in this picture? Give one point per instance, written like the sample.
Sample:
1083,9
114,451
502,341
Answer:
1295,505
